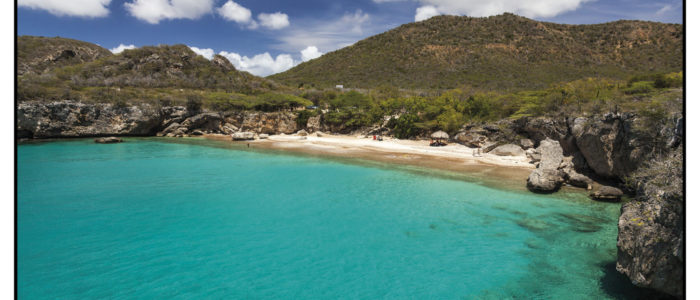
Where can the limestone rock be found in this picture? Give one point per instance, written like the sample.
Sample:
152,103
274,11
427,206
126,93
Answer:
508,150
263,136
533,155
547,177
302,133
243,135
607,193
108,140
527,143
470,139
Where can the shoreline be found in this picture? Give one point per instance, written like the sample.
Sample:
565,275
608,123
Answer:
453,160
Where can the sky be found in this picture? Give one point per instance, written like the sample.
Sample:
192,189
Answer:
265,37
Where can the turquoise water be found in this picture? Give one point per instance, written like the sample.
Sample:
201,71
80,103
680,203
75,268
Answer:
147,219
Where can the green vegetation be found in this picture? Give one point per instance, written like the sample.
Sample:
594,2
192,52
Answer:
499,53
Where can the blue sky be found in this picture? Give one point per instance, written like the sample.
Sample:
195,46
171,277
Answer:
270,36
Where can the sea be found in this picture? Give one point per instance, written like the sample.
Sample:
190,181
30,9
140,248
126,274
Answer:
160,218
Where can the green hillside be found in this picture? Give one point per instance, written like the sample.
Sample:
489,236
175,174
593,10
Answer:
36,54
504,52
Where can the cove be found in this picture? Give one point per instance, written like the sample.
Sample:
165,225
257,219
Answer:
149,219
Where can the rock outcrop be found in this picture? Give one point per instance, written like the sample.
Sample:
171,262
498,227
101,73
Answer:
57,119
607,193
608,144
508,150
651,228
108,140
243,136
75,119
547,177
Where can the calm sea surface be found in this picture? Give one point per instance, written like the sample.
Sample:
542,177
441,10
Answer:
151,219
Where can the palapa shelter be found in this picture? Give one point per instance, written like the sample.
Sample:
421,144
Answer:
439,136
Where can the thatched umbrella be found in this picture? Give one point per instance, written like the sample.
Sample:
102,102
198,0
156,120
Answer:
439,135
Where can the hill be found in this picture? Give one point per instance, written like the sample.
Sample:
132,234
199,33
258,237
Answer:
504,52
37,54
150,73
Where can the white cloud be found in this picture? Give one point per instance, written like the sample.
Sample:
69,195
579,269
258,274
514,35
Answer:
426,12
208,53
233,11
310,53
74,8
480,8
329,35
153,11
121,48
274,21
261,64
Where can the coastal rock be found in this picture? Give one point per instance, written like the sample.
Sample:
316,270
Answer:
228,128
270,123
527,143
508,150
314,123
608,145
108,140
572,176
263,136
197,132
470,139
37,119
547,177
243,135
204,121
302,133
533,155
607,193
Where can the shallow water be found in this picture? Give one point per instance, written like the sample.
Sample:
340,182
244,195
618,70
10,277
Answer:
149,219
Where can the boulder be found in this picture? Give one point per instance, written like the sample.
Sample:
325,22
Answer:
544,180
243,135
607,193
572,176
302,133
470,139
229,128
527,143
263,136
108,140
508,150
197,132
547,177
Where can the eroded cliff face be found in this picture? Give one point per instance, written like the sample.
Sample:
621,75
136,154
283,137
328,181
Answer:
61,119
651,228
75,119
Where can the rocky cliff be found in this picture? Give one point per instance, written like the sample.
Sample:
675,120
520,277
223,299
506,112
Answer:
61,119
652,227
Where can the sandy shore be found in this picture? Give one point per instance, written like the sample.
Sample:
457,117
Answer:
489,169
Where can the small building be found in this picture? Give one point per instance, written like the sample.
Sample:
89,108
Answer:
339,86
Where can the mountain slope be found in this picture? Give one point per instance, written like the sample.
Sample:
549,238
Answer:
151,71
500,52
36,54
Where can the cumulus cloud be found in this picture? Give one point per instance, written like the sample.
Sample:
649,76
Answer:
426,12
273,21
233,11
310,53
261,64
329,34
75,8
153,11
121,48
208,53
480,8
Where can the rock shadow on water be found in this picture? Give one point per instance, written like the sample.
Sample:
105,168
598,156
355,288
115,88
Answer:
618,286
581,223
